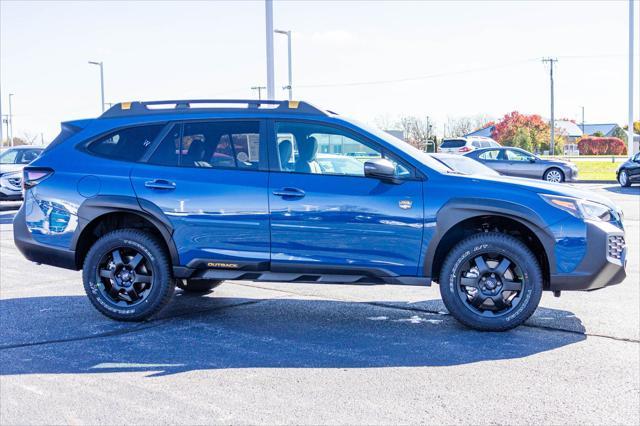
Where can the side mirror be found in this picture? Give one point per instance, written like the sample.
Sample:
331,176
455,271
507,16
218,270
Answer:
382,169
532,159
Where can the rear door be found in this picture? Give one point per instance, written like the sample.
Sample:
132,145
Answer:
210,179
333,219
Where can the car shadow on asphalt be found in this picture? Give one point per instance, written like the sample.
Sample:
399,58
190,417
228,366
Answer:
65,335
631,190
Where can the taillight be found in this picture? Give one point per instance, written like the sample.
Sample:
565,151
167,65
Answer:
34,175
464,149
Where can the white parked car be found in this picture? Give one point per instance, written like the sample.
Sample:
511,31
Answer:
466,144
12,161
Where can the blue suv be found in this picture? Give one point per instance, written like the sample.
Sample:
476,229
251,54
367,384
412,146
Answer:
154,195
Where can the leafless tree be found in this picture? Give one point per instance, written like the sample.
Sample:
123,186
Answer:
460,126
418,131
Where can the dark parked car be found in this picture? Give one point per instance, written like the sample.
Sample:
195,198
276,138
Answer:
144,199
518,162
629,171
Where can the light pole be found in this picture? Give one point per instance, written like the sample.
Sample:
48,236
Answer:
582,120
10,123
101,82
288,34
551,61
268,9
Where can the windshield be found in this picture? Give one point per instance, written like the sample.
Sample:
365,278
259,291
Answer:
9,156
466,165
403,146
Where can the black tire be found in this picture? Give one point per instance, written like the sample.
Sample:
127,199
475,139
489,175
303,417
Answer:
461,300
623,180
198,286
553,171
149,278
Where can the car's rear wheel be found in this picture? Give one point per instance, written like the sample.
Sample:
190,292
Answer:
623,178
198,286
491,281
127,275
554,175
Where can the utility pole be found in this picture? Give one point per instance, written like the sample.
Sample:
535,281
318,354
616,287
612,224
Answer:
10,123
551,61
101,82
288,34
259,89
631,39
5,120
268,5
582,120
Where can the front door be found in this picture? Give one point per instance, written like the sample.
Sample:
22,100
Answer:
209,179
326,216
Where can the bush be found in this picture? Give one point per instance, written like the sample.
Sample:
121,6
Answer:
590,145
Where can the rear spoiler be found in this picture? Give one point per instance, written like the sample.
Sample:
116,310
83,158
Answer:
68,129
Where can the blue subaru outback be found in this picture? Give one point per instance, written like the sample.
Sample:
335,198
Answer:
154,195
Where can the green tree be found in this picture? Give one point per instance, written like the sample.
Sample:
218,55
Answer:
522,139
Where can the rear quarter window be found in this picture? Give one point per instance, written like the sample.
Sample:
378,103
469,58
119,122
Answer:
128,144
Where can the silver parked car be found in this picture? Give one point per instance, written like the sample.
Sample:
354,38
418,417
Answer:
518,162
12,161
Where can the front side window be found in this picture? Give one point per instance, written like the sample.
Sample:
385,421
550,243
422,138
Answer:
515,155
128,144
489,155
221,144
318,149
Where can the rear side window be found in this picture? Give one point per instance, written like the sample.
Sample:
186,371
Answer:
214,144
128,144
453,143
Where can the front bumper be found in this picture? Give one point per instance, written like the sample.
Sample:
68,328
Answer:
603,264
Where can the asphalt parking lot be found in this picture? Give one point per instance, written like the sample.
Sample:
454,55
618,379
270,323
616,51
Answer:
255,353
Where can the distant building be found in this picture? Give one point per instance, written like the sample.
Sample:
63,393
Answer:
606,129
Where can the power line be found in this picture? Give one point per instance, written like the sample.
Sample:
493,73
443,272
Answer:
423,77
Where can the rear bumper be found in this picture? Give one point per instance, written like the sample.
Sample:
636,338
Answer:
37,252
603,265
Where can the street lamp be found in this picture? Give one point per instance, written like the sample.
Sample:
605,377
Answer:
288,34
101,82
10,123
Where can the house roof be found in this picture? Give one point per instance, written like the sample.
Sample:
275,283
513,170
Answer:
486,132
606,128
569,127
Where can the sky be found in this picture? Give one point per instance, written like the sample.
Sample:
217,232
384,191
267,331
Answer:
364,59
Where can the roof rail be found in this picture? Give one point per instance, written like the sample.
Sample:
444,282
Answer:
126,109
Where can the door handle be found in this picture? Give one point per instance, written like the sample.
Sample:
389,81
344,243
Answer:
160,184
289,192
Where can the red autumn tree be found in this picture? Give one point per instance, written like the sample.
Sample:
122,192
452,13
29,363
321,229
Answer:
506,129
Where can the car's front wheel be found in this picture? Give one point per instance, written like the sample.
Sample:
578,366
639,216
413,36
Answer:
491,281
554,175
623,178
127,275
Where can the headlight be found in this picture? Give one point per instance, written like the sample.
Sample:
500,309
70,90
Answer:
579,208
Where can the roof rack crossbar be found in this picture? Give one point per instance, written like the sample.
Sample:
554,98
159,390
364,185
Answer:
124,109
